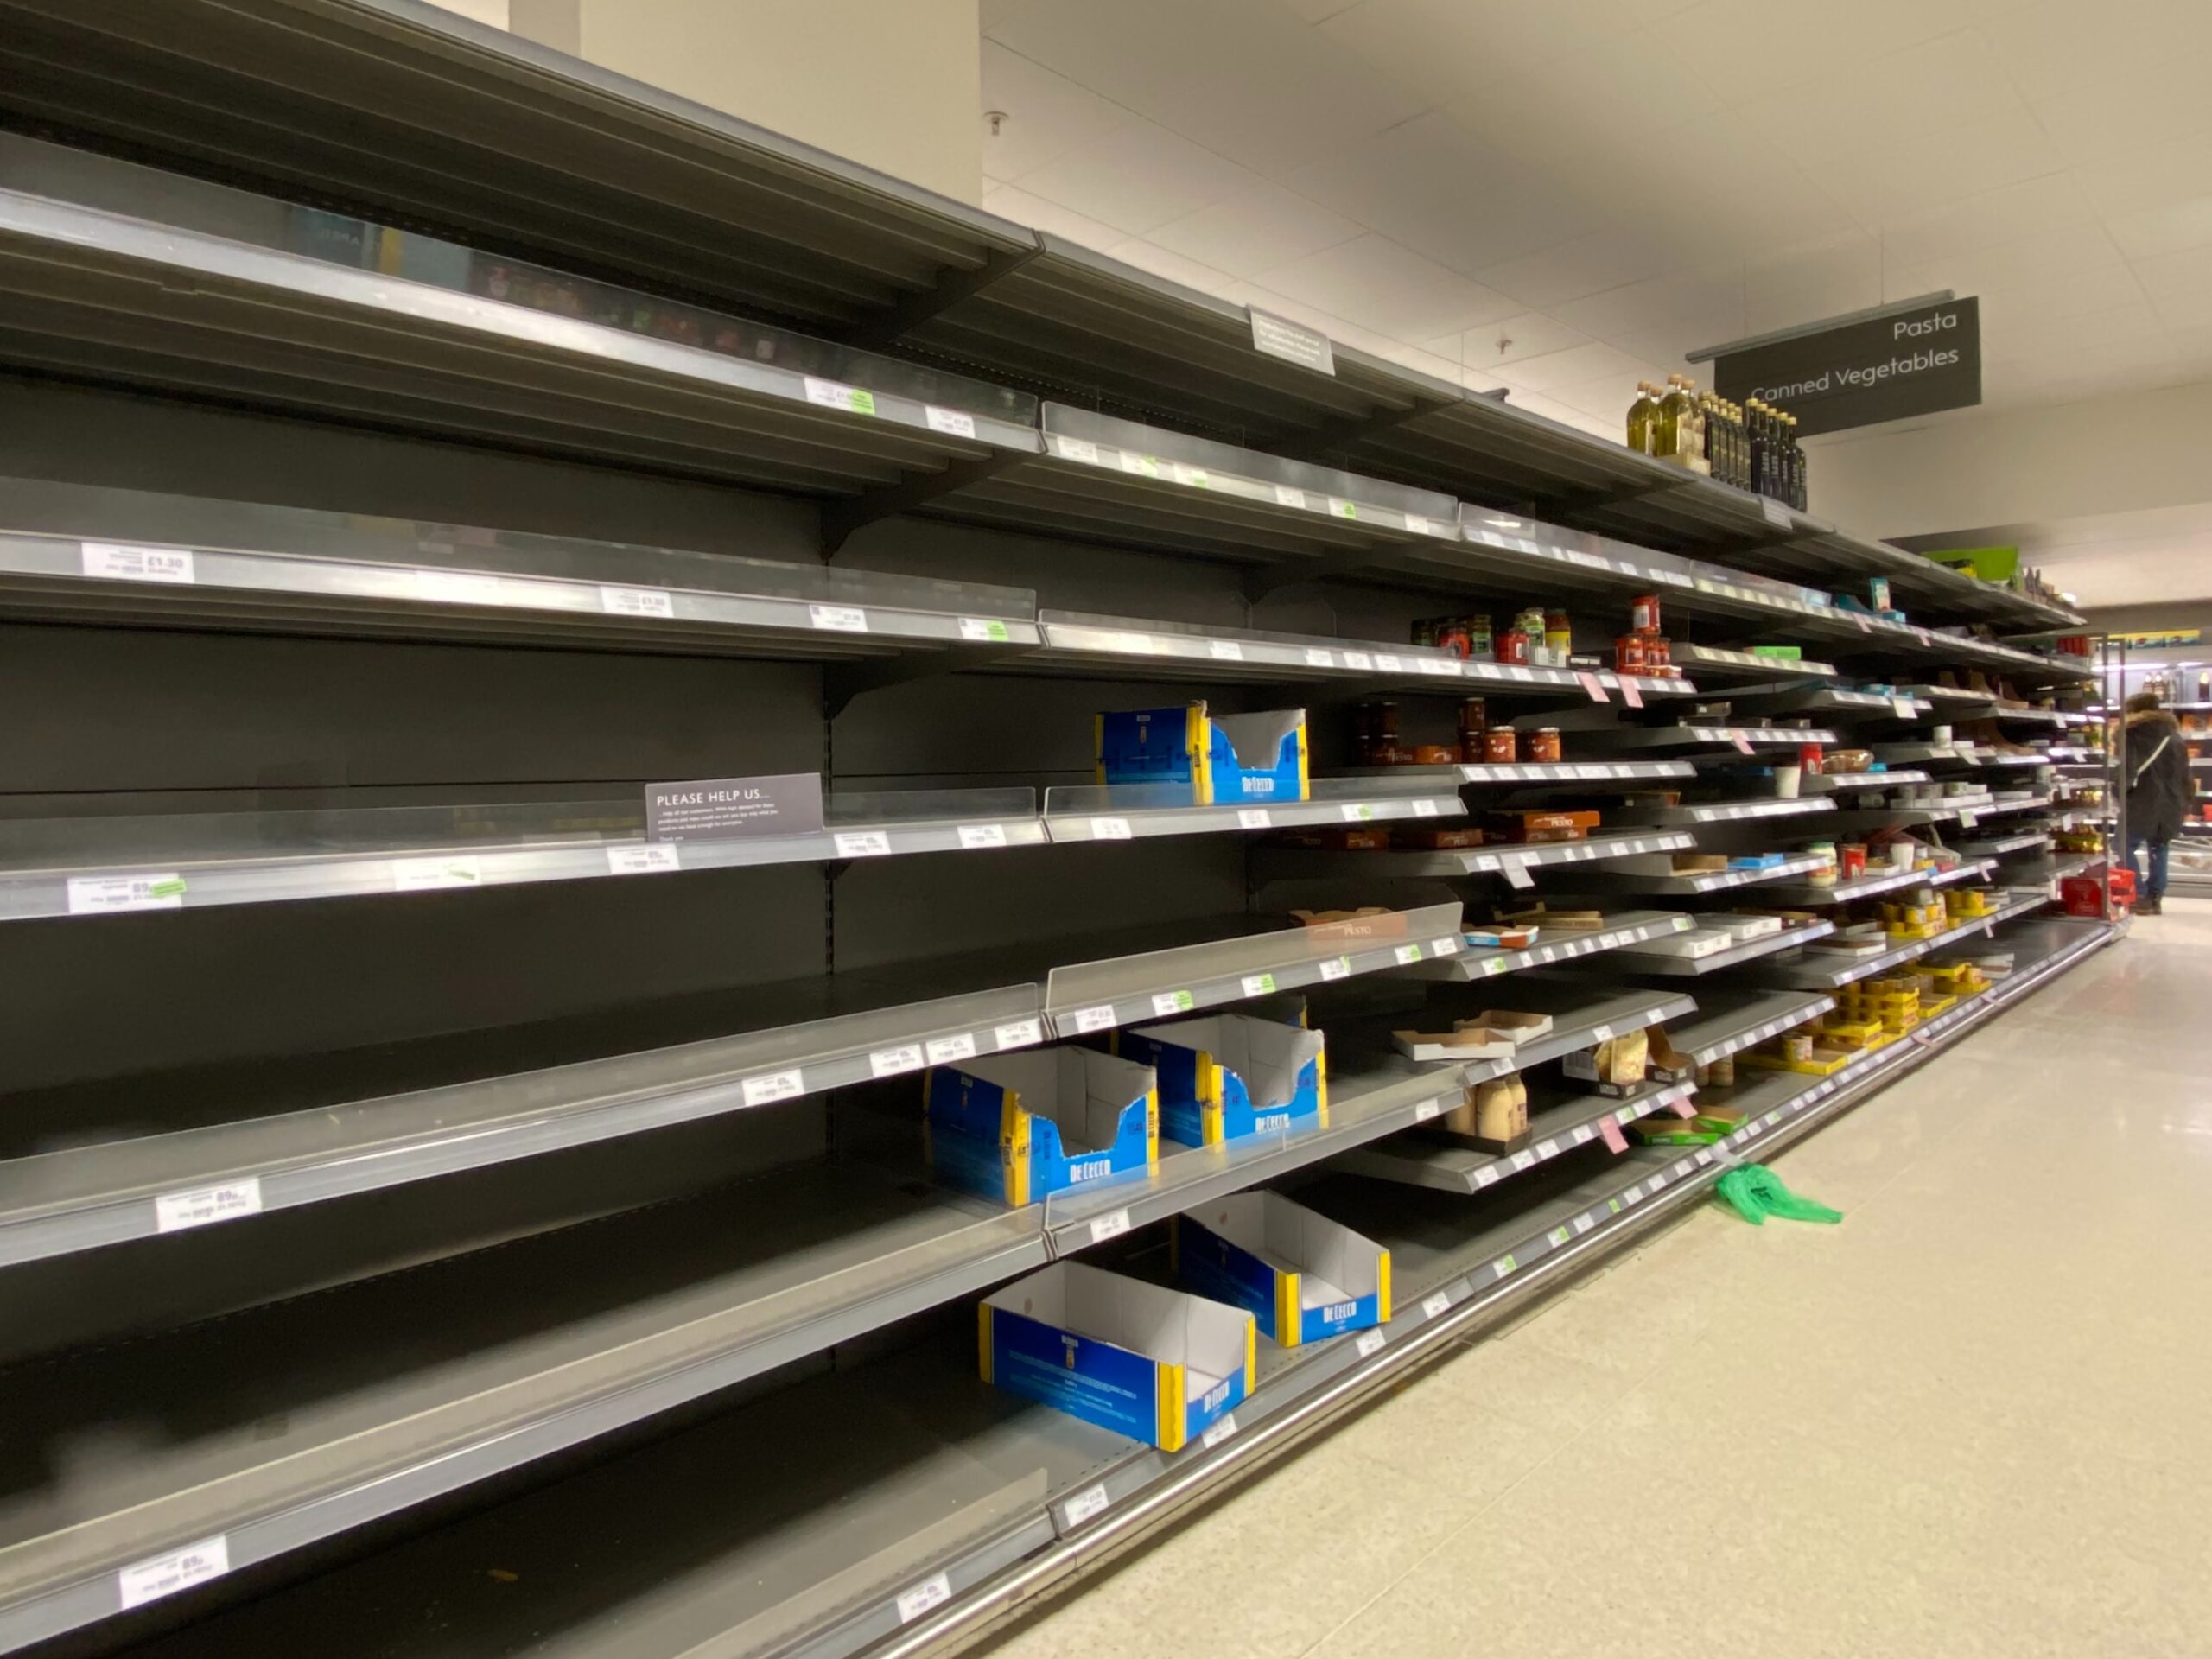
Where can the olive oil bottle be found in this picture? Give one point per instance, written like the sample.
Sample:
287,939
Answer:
1676,423
1643,419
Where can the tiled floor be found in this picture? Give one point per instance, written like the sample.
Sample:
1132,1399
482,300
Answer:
1971,1420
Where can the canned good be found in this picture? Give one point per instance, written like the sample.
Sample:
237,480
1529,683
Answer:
1500,746
1513,648
1853,854
1628,653
1543,745
1643,614
1809,758
1659,657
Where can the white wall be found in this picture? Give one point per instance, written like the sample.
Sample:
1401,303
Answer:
2120,454
894,84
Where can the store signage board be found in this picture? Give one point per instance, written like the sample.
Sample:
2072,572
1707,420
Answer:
1860,373
1278,337
733,808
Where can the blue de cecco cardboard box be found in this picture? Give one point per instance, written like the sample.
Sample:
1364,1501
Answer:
1223,759
1302,1276
1229,1076
1157,1365
1017,1127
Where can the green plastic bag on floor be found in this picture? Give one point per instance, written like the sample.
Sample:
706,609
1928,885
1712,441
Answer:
1756,1192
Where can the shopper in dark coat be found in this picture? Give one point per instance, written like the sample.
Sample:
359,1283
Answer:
2158,791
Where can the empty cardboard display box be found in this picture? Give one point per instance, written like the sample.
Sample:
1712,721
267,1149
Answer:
1301,1277
1017,1127
1227,1076
1157,1365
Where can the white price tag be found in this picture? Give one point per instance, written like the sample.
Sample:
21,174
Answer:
976,836
1078,449
1358,659
1320,659
890,1062
1434,665
1407,954
1417,525
1370,1343
1259,984
944,1050
1558,1235
1777,514
94,895
118,563
1424,808
1968,820
1387,663
1437,1305
1515,872
652,858
1287,497
1447,946
427,874
1546,1149
863,844
1336,967
1194,476
1225,651
1084,1504
838,618
926,1597
1252,817
636,602
1107,1227
1591,772
949,421
1224,1426
831,394
1901,708
1090,1020
1143,466
1522,1161
1357,811
167,1574
1109,830
984,631
775,1086
1426,1110
1022,1033
174,1212
1583,1225
1484,1176
1169,1002
1342,508
1583,1135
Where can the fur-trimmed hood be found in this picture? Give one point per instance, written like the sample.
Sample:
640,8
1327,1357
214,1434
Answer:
2148,716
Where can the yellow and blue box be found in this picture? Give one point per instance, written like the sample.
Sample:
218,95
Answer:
1158,1365
1017,1127
1224,760
1230,1077
1301,1277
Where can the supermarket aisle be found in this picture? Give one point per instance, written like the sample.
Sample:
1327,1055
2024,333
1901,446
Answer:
1967,1421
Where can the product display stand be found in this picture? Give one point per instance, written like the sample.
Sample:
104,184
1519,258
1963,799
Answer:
573,910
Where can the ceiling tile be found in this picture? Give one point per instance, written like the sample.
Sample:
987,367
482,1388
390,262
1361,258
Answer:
1880,176
2186,311
1010,201
1495,347
2109,120
1139,178
1162,262
990,14
2050,48
1987,218
1441,49
1921,87
1433,186
2152,175
1314,12
2169,229
1376,282
1815,301
2031,261
1047,115
1588,264
2184,271
1760,45
1243,78
1265,227
1613,92
1655,303
1580,362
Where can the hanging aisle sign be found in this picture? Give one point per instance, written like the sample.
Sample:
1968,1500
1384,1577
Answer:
1862,373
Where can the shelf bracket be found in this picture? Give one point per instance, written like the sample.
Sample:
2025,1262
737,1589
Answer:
1264,581
841,682
840,518
892,325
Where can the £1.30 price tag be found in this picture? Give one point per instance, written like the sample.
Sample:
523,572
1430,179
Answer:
944,1050
925,1598
775,1086
652,858
1021,1034
175,1211
108,561
863,844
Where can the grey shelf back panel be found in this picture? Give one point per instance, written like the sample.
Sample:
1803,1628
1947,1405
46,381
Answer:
81,553
961,1481
337,1409
96,293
